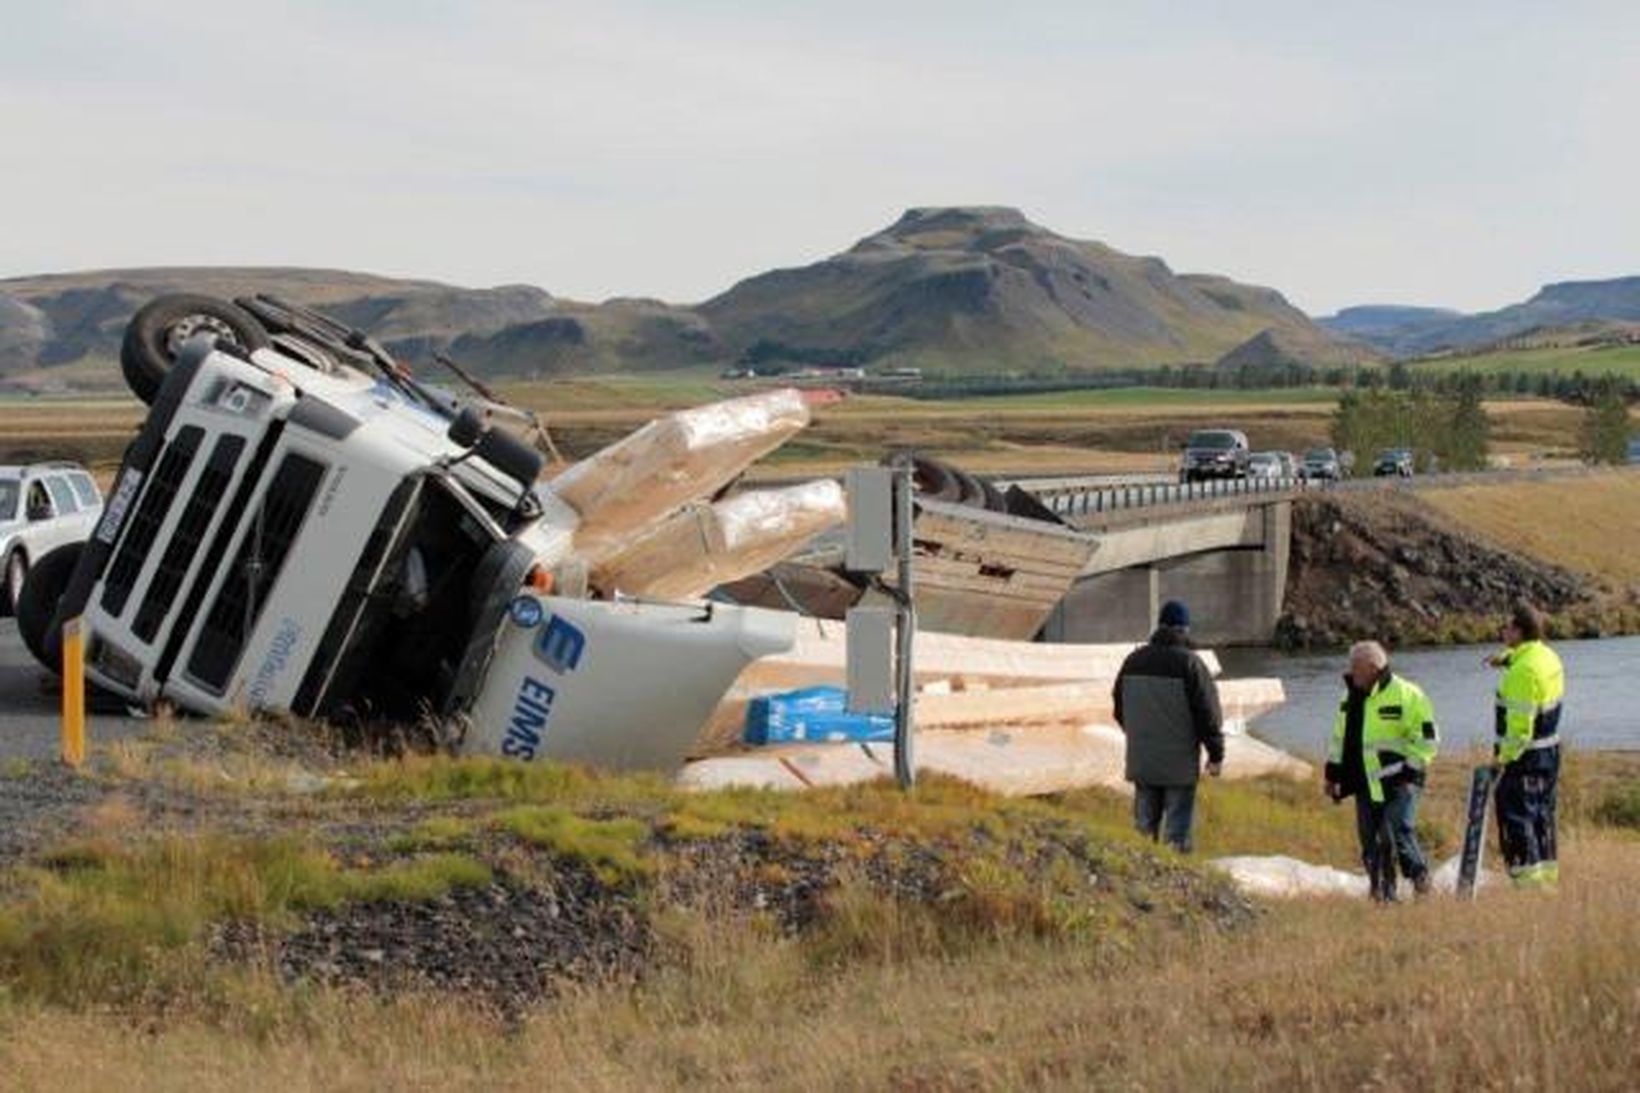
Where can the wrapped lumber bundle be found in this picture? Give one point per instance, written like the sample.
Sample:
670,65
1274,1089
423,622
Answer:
1011,759
694,550
673,460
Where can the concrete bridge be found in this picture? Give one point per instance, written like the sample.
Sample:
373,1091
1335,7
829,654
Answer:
1124,548
1222,547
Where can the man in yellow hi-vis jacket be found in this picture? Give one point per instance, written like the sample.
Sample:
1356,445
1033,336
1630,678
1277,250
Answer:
1527,749
1383,740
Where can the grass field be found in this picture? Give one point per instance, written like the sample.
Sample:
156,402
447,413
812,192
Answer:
1150,397
1124,431
1516,990
1622,360
1589,524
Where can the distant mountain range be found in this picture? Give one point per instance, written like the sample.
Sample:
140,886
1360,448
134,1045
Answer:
959,289
1413,331
956,289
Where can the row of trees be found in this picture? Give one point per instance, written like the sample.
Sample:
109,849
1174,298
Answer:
1451,430
1606,425
1578,387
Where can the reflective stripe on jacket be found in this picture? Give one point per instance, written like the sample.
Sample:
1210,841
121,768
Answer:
1529,697
1398,731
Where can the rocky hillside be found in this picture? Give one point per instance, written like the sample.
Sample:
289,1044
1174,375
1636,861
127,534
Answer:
983,289
1272,352
1386,567
964,289
1410,331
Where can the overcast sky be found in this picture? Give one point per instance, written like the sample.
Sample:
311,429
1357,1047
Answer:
1455,154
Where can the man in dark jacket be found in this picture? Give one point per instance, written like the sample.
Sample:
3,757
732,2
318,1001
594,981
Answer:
1168,706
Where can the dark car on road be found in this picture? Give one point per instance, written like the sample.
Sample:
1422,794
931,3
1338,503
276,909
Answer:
1215,453
1393,461
1322,463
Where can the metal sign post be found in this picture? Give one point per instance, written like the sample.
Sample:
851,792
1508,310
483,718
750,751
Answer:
905,629
880,675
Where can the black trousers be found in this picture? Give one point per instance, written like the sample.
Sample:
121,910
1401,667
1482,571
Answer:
1526,809
1388,834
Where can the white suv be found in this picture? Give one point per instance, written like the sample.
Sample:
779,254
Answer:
42,507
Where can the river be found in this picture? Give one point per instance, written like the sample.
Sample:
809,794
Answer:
1602,708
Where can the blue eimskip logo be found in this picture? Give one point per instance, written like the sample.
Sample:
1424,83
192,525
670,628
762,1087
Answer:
560,645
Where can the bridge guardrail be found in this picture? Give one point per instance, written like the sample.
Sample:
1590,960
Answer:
1081,501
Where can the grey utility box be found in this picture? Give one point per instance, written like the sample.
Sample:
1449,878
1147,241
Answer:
870,520
870,632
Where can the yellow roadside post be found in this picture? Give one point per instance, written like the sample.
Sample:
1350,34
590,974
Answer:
73,693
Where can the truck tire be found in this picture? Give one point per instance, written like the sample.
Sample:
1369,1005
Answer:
37,624
157,331
11,583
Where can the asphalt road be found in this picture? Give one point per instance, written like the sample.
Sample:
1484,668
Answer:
29,705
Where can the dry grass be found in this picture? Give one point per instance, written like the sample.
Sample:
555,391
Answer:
1513,991
1590,524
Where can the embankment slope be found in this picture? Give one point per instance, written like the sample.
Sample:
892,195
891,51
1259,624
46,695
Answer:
1443,564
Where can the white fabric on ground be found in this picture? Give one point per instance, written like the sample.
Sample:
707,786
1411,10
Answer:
1277,876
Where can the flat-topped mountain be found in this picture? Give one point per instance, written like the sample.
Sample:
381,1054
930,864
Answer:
984,289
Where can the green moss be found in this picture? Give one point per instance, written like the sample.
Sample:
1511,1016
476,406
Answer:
422,879
610,848
433,833
440,778
93,922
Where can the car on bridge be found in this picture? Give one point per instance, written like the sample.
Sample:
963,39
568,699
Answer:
1215,453
1322,463
42,507
1393,462
1269,465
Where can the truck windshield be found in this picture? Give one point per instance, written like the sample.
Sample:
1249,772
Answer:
8,498
1212,440
395,642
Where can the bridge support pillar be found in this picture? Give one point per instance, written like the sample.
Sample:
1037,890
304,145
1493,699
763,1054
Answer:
1234,595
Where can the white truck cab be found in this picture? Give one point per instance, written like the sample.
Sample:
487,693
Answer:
290,538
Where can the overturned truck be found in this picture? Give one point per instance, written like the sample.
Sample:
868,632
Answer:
300,525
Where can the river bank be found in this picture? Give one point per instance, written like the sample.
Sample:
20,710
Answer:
1442,566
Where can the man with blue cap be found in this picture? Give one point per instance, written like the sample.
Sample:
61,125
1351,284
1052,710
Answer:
1168,706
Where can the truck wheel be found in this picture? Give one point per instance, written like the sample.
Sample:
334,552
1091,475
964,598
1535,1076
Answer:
12,590
158,330
40,630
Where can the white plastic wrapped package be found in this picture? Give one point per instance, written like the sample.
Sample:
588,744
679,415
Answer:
1277,876
672,461
693,551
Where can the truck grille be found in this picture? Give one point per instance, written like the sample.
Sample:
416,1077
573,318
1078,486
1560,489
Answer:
145,523
255,569
189,535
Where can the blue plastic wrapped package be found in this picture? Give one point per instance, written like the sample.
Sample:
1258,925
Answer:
813,715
